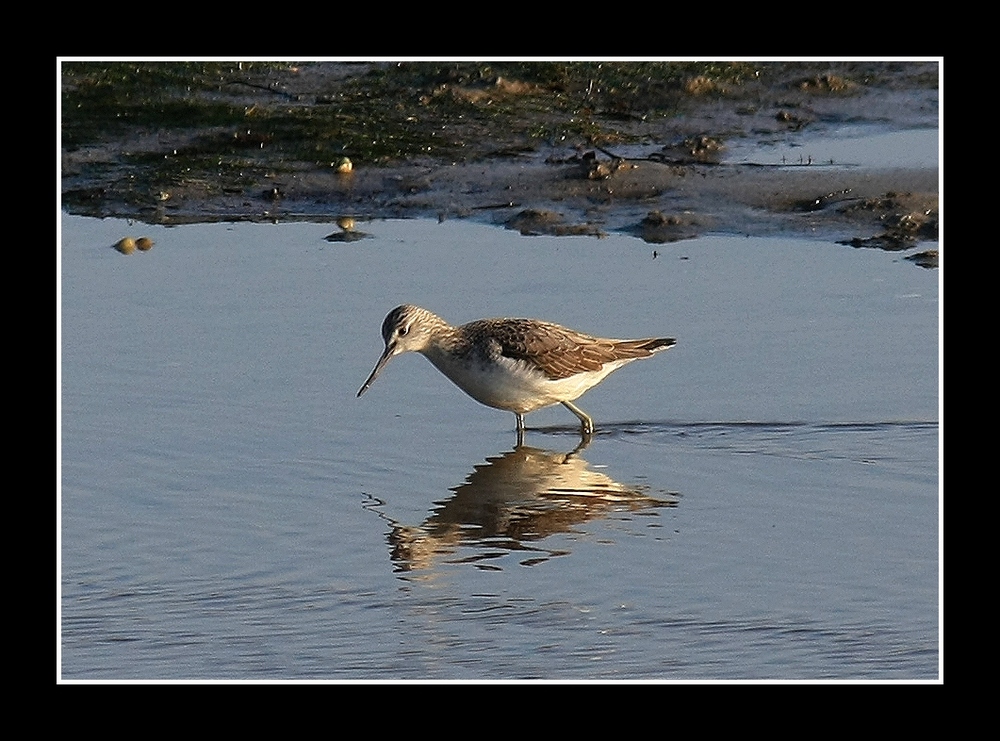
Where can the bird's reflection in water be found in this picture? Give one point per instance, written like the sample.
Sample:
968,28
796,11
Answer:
512,503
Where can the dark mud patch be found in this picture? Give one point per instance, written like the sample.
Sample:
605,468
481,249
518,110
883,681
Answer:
541,147
902,220
532,222
660,228
925,259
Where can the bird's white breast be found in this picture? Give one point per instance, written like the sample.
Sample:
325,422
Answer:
514,385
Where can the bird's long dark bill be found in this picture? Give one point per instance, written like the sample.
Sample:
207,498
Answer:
378,369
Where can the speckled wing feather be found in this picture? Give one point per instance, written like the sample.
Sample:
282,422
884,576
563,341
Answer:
560,352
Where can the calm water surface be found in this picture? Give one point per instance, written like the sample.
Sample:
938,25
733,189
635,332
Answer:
760,502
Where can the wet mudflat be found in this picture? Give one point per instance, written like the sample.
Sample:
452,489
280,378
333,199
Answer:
559,148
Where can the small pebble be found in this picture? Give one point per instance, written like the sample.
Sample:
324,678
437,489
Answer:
126,245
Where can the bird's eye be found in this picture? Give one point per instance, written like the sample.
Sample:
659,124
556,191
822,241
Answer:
403,331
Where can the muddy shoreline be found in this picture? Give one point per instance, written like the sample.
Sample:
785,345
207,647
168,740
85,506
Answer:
611,164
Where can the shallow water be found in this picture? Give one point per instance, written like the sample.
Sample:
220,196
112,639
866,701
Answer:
866,146
759,502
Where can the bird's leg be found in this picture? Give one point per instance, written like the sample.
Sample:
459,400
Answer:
587,424
520,429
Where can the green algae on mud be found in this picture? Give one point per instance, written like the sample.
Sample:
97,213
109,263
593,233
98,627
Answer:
377,112
172,142
240,123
